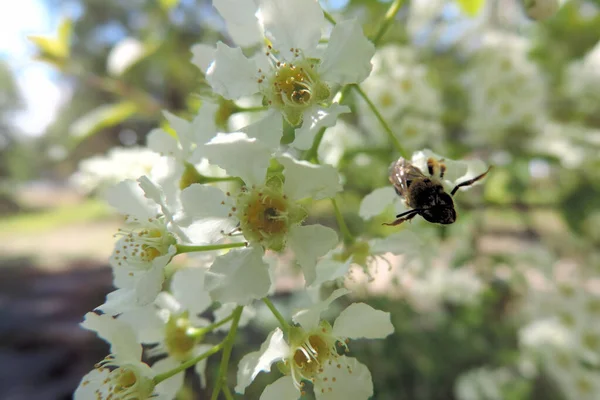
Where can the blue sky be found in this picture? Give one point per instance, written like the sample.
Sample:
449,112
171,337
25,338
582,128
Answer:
42,96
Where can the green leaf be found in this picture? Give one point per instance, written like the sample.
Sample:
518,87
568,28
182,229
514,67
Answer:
471,7
168,4
102,117
55,50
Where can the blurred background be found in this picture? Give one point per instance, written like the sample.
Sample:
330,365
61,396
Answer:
503,304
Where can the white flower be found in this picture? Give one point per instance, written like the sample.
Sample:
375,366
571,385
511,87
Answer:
120,163
482,384
294,75
239,277
173,324
544,333
582,81
266,209
401,88
311,353
455,172
123,55
122,374
191,136
506,90
337,140
145,247
443,285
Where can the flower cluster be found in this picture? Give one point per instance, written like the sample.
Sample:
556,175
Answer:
582,81
238,203
402,90
240,200
564,340
506,91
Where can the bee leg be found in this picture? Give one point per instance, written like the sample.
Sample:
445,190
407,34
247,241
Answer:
470,181
405,216
442,170
431,166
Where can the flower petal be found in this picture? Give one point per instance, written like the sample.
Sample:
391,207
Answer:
360,320
91,384
293,24
183,129
129,199
168,388
149,285
376,202
309,242
163,143
329,270
304,179
232,75
118,334
240,156
202,201
188,288
309,317
202,56
272,350
118,301
204,213
239,16
351,381
314,119
155,193
347,58
146,323
239,276
282,389
268,130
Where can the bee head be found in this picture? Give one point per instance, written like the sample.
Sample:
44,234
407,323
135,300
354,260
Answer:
439,215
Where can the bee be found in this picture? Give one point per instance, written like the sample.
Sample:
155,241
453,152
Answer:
425,195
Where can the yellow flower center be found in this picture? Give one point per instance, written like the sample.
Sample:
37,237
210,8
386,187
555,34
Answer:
311,356
266,215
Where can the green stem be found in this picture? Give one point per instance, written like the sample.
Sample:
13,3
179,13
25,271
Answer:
239,109
190,363
389,17
282,322
382,122
348,238
211,327
329,17
227,393
227,346
191,176
311,154
182,248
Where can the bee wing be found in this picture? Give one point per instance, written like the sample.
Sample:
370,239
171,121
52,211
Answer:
402,173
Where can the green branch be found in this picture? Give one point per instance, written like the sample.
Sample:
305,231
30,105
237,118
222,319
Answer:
348,238
389,17
182,248
382,122
329,17
227,347
190,363
203,331
282,322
